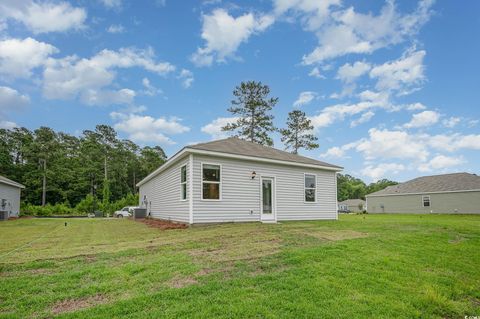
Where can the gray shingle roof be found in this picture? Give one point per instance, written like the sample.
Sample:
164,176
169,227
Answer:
436,183
4,180
234,145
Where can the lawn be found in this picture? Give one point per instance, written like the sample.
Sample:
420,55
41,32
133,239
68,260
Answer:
362,266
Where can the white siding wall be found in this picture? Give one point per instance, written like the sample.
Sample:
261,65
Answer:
12,195
164,193
241,195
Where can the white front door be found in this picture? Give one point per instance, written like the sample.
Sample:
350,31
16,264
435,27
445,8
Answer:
267,199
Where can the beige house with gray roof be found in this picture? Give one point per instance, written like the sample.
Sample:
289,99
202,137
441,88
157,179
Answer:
232,180
457,193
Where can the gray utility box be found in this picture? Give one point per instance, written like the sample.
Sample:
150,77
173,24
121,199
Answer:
3,215
139,213
98,213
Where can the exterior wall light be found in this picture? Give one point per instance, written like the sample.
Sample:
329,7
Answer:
254,174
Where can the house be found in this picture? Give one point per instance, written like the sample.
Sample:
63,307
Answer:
351,205
232,180
10,196
457,193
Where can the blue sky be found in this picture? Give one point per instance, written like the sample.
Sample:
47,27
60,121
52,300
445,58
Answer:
392,88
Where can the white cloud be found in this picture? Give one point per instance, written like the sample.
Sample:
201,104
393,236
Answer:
316,73
451,122
214,128
440,162
112,4
378,172
116,28
150,90
365,117
187,78
345,31
350,72
337,152
304,98
7,124
19,57
392,144
224,33
147,129
422,119
107,97
71,77
415,107
43,17
11,100
451,143
402,74
330,114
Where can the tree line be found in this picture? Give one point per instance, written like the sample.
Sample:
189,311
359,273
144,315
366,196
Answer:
57,167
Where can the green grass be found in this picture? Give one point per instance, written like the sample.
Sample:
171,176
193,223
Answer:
362,266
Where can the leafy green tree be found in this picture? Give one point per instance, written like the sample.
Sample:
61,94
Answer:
298,134
75,166
251,106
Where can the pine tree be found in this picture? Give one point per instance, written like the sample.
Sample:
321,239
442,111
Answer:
251,106
296,135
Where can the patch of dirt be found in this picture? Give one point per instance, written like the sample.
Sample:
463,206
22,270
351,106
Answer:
335,235
70,305
90,258
458,239
475,301
180,282
162,224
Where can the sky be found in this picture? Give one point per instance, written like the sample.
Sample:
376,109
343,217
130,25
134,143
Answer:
391,87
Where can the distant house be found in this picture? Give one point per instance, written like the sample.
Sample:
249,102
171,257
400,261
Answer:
232,180
10,196
351,205
457,193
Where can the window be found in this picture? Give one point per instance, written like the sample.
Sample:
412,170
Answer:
426,201
310,187
183,181
211,181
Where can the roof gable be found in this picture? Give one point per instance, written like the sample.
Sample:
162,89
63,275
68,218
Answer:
437,183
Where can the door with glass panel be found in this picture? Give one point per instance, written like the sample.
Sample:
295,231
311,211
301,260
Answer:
267,199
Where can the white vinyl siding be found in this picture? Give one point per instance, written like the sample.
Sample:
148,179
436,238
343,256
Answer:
11,195
163,193
240,194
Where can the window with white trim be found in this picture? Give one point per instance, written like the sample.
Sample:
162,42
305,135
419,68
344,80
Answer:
310,187
426,201
183,182
211,181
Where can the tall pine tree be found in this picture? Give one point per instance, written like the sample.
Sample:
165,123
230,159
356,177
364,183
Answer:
297,134
251,106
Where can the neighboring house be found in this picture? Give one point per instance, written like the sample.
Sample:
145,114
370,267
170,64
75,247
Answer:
351,205
457,193
10,196
232,180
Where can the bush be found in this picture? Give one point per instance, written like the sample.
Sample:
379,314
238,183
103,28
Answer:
47,210
129,200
